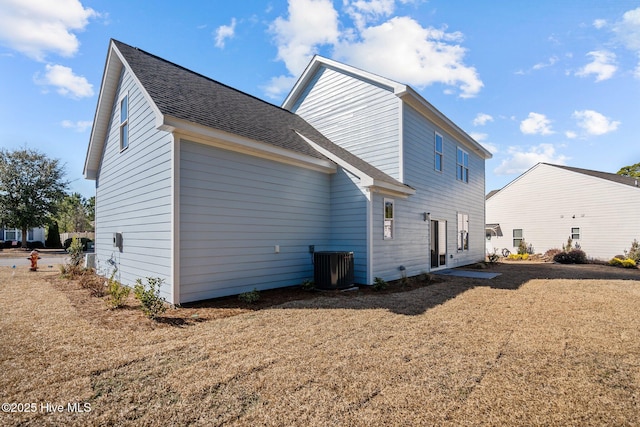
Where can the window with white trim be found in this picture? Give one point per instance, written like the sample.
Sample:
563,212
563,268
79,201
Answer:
388,219
575,233
462,160
439,152
463,231
517,237
124,122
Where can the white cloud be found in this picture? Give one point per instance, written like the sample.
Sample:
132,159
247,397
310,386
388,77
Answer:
600,23
311,23
552,60
35,27
571,134
482,119
362,11
399,48
225,32
479,136
536,124
594,123
602,65
520,161
403,50
67,83
79,126
628,31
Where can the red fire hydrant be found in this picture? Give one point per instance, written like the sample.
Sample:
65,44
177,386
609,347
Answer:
34,257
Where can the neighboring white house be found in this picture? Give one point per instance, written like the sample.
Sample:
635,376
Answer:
15,235
218,192
548,204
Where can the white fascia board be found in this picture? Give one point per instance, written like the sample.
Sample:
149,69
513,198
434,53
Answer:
228,141
414,99
319,61
109,86
367,181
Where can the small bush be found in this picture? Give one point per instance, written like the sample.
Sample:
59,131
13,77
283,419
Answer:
83,240
75,252
551,253
307,285
149,297
522,247
625,263
575,256
634,251
250,297
118,293
518,257
379,284
493,258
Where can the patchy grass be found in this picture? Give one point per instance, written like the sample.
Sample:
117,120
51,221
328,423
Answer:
540,345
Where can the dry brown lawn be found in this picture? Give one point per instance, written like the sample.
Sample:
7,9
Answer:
540,345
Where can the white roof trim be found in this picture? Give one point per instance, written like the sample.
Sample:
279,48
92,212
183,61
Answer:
110,80
228,141
366,180
319,61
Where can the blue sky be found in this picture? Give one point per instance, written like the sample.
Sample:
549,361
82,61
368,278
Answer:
548,81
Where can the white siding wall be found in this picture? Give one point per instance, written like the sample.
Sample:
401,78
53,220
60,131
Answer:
234,210
349,221
357,115
133,194
544,201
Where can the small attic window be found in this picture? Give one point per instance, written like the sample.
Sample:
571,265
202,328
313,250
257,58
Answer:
124,122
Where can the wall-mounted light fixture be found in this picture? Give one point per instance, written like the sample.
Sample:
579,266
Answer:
426,215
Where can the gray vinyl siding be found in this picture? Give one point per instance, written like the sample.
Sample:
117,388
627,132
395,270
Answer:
349,220
133,194
438,193
544,201
357,115
234,210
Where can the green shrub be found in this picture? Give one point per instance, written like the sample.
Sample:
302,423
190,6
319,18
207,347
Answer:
118,292
250,297
575,256
379,284
493,258
308,285
149,297
634,251
522,247
75,252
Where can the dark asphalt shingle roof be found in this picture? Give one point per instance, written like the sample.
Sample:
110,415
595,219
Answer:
184,94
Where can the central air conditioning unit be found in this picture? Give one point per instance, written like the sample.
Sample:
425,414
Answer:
333,270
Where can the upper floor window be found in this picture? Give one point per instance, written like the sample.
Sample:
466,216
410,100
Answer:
462,161
439,151
388,219
124,122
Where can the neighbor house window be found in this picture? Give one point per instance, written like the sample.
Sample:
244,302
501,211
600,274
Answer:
462,172
517,237
463,232
124,122
11,235
439,150
575,234
388,219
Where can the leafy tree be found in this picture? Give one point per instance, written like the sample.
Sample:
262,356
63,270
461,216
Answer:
75,213
632,171
31,186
